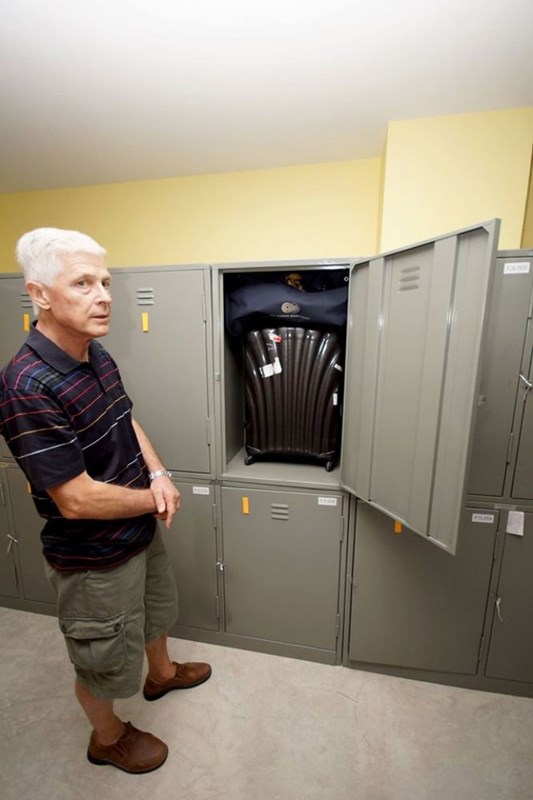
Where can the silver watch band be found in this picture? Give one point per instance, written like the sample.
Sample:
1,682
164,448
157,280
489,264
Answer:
159,473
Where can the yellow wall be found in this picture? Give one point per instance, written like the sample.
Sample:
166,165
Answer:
315,211
527,235
444,173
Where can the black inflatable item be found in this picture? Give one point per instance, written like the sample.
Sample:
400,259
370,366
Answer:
293,381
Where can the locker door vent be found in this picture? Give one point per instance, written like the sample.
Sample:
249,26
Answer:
25,300
145,297
279,511
409,279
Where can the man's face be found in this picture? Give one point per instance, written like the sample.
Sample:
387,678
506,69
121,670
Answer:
80,297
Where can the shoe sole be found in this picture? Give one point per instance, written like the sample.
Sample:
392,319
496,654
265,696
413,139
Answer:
99,762
151,697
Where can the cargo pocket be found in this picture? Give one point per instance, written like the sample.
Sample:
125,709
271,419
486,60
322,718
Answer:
98,645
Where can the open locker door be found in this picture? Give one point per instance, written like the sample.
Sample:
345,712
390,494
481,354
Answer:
415,332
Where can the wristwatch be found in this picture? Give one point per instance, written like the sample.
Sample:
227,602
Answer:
160,473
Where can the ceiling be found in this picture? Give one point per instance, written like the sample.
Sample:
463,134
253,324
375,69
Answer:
103,91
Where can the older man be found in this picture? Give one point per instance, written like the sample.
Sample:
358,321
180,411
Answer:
100,486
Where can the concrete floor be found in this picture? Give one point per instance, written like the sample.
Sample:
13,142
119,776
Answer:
263,728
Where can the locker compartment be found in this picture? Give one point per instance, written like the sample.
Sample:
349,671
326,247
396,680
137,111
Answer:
411,605
8,571
27,526
160,337
191,548
510,653
501,391
16,314
281,565
277,405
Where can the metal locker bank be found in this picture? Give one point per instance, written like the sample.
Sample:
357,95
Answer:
288,558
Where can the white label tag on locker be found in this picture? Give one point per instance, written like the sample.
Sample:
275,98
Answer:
515,523
516,268
486,518
327,501
201,490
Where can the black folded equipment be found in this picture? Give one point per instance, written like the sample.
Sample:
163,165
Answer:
293,367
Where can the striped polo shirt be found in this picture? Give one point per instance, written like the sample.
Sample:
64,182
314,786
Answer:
61,417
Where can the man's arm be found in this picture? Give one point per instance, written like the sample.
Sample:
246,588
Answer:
165,494
84,498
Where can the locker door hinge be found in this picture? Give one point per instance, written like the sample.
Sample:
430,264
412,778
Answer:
204,312
217,606
215,516
342,529
208,426
2,496
337,626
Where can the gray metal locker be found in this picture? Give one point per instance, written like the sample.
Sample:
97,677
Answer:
191,546
510,653
503,356
160,339
16,315
414,607
8,572
27,529
281,565
417,319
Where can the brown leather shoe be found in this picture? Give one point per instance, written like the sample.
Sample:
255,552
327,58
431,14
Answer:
135,751
189,674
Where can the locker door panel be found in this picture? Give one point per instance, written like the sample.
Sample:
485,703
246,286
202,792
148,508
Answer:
412,606
15,316
414,340
501,366
28,525
158,338
281,565
511,644
191,547
8,576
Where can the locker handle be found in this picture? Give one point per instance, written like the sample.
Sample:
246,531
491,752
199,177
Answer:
10,543
498,607
529,385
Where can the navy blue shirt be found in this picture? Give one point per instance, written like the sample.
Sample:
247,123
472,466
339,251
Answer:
61,417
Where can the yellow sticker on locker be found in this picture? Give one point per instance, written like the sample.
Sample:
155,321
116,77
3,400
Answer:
245,505
26,322
28,487
397,526
145,321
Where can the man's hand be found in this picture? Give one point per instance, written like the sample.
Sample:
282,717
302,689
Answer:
166,498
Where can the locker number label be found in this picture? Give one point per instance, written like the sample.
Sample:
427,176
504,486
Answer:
516,267
327,501
201,490
487,518
515,523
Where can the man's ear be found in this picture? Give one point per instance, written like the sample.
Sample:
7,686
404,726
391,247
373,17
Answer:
39,294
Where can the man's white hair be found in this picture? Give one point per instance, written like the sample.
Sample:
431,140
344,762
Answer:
39,252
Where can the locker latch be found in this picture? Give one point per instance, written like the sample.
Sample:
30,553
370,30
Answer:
529,385
10,543
498,608
220,566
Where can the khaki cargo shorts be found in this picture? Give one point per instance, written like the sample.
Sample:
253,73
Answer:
106,617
